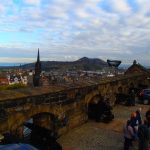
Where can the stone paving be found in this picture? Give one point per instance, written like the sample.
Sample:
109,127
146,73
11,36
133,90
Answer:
100,136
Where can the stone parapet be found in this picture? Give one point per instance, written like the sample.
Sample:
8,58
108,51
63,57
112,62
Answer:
57,102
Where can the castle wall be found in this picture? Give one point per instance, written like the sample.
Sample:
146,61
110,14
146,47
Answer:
62,110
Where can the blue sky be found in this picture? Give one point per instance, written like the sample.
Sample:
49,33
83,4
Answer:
70,29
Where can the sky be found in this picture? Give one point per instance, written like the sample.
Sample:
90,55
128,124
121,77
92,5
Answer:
66,30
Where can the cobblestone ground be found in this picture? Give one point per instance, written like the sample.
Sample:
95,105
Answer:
100,136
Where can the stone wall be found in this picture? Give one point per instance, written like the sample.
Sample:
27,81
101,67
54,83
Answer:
61,110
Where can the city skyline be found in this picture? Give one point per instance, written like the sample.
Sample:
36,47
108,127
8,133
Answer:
66,30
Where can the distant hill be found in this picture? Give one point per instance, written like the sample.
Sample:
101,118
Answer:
81,64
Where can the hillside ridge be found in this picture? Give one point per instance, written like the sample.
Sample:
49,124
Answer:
83,63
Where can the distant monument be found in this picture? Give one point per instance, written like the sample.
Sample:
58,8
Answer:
134,62
36,77
114,64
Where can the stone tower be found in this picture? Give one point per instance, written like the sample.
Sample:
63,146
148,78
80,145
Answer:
36,77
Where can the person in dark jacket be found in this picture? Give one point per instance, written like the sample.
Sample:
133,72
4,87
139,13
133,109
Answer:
144,136
132,98
134,122
138,116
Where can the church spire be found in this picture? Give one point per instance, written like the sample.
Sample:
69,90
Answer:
36,78
38,64
38,56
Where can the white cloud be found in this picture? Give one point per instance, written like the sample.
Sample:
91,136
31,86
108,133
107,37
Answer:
20,60
120,6
108,57
71,57
16,60
82,13
32,2
144,5
56,11
2,8
65,29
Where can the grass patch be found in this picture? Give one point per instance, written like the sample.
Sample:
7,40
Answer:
12,87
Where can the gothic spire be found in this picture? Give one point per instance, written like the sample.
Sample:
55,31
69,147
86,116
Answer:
38,56
38,64
36,77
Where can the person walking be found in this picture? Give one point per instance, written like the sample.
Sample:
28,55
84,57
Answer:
128,135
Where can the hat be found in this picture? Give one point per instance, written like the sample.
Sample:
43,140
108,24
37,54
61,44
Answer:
133,115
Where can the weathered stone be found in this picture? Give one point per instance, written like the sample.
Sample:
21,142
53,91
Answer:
55,102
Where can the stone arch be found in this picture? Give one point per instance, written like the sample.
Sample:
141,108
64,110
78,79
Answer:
43,119
90,96
92,106
96,99
16,119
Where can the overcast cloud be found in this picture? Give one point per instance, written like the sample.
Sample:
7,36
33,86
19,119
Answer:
70,29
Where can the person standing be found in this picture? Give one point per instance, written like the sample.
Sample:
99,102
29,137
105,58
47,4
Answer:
132,98
144,136
134,120
138,116
134,124
128,135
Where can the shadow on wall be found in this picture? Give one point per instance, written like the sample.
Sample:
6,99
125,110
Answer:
100,110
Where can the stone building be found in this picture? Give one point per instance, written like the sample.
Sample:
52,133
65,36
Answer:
137,68
16,79
4,81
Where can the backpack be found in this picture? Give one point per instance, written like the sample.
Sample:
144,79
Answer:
143,132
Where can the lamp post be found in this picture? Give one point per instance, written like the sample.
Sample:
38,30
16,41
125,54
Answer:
114,64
